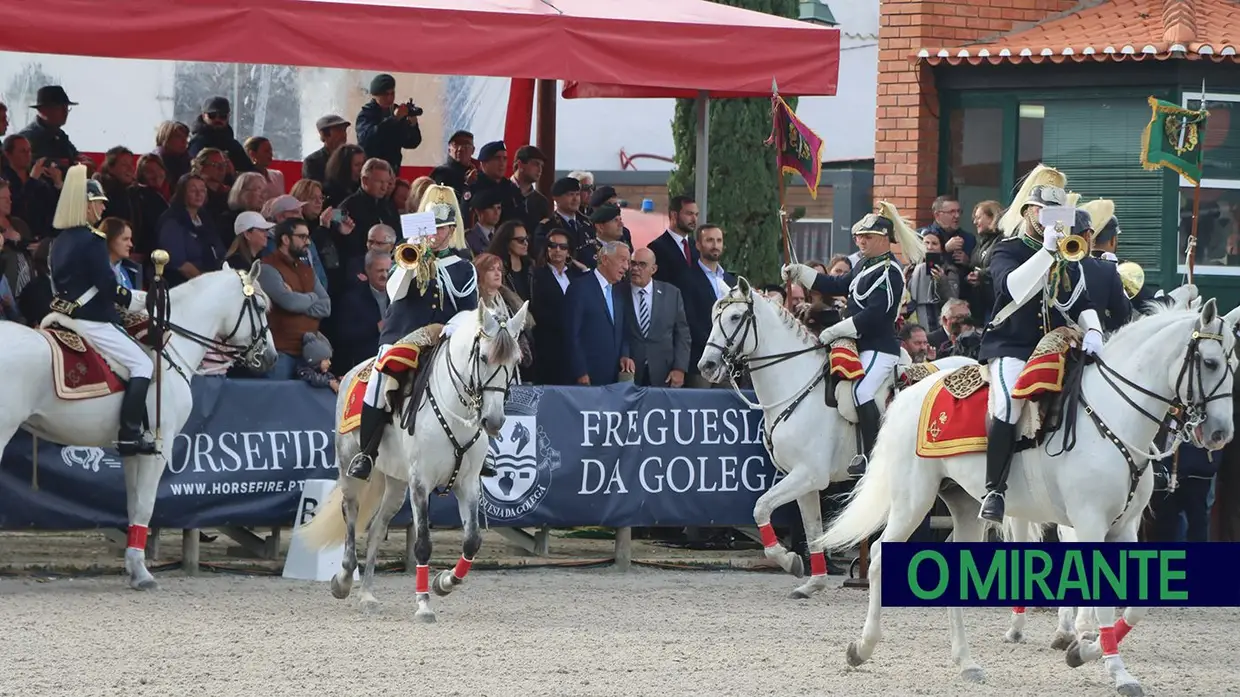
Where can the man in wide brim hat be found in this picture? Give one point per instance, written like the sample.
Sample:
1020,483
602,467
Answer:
46,133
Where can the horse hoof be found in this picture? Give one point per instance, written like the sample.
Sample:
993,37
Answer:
425,616
146,584
1131,689
1061,643
369,605
853,656
973,675
798,594
1073,655
1014,636
340,591
441,586
797,567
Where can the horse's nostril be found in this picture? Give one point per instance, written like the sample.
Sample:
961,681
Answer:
1218,436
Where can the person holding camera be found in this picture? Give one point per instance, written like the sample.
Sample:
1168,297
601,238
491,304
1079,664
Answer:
383,127
932,282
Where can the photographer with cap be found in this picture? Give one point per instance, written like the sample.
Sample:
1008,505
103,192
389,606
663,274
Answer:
383,127
46,134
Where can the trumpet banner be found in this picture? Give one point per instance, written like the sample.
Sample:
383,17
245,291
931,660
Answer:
1174,138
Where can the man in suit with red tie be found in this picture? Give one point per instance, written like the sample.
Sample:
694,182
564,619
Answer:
674,251
597,344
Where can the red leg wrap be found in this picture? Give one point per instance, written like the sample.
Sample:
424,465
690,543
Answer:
1110,647
768,535
1019,610
1121,630
137,537
423,582
818,564
462,567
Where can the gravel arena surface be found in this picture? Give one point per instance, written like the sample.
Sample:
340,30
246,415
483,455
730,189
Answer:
557,632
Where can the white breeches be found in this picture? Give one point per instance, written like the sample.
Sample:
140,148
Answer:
376,381
113,341
1003,375
878,366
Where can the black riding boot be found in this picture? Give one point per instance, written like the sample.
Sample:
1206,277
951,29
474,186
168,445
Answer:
1000,445
132,439
867,421
373,421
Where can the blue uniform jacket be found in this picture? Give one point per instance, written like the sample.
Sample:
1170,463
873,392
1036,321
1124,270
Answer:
417,310
79,260
1106,292
875,316
1020,333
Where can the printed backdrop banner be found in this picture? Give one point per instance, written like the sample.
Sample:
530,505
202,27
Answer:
613,456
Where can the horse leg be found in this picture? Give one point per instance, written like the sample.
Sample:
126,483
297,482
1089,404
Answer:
1106,646
342,582
393,497
1019,532
142,473
468,496
419,499
788,489
1064,633
966,527
811,518
908,509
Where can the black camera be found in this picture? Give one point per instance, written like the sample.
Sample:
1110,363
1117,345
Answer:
414,110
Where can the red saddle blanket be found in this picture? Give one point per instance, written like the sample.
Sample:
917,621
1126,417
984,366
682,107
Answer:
845,363
78,371
398,359
951,425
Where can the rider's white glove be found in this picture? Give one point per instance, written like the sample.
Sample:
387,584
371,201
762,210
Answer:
845,329
799,273
1092,342
1050,239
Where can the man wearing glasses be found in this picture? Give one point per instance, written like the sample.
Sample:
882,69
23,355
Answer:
211,130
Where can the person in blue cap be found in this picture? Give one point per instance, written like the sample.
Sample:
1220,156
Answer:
383,127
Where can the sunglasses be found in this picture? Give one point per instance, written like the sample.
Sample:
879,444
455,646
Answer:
556,245
521,240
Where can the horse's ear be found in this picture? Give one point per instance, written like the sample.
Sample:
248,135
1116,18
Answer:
255,268
490,325
743,284
1209,313
1232,317
517,322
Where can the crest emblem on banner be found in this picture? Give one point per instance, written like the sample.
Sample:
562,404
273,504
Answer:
522,458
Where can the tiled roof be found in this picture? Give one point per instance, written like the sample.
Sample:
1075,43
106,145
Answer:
1112,30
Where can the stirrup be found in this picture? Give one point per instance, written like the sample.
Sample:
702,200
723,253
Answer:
992,507
856,467
136,445
360,466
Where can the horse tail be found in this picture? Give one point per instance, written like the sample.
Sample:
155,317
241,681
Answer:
328,529
1014,529
870,501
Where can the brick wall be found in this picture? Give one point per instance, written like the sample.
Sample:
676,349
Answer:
906,147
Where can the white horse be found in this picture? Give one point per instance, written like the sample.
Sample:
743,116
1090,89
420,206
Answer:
1085,625
809,441
1174,357
224,311
466,387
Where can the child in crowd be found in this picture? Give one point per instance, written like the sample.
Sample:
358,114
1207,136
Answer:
316,361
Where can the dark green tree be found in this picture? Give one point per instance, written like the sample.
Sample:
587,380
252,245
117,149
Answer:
742,188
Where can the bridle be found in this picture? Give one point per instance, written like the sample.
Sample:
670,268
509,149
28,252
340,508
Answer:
469,392
248,355
1179,421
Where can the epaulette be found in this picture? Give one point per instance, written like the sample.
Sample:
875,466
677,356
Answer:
544,221
98,232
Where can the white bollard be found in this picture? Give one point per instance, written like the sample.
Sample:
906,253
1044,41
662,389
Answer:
307,564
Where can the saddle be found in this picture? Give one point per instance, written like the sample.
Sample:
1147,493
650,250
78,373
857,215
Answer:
405,382
80,370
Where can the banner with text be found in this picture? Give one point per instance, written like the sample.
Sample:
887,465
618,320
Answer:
567,456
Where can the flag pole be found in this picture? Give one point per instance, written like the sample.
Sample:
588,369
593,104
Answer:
1191,251
779,173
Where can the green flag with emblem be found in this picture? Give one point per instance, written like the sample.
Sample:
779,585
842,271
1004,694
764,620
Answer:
1174,138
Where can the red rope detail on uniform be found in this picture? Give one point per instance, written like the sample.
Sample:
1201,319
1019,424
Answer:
768,535
423,582
137,537
1019,610
1106,636
1121,629
462,567
818,564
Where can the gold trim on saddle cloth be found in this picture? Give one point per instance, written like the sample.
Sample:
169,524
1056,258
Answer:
66,384
966,380
1059,340
917,372
348,423
929,425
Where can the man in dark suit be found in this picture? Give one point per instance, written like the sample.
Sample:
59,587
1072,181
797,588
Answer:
658,332
358,312
597,346
547,302
488,208
700,286
674,251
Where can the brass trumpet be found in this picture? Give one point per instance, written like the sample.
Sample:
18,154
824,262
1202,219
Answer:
407,255
1073,247
1132,276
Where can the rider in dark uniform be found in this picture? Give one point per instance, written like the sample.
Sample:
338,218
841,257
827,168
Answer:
874,289
1102,279
1104,246
452,289
1036,291
86,290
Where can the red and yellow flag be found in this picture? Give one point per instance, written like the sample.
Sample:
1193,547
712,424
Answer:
798,150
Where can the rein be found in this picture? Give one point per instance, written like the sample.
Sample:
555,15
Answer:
250,356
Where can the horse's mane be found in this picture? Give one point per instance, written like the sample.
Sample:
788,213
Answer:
504,348
1160,317
789,320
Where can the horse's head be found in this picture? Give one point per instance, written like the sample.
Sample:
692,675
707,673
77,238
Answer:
1203,377
733,332
245,331
489,358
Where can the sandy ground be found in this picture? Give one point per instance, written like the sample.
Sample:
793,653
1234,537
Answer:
555,632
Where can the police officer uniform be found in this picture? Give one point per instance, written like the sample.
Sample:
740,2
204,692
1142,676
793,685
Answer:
1036,291
580,229
453,289
86,290
508,193
588,254
874,289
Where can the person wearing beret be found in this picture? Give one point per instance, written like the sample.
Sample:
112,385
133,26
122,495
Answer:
608,227
492,163
385,128
607,194
488,209
566,195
